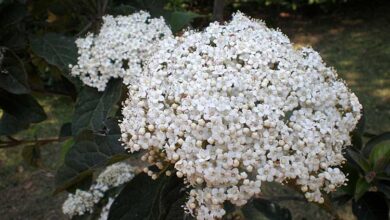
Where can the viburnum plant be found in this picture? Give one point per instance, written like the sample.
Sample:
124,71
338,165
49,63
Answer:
172,123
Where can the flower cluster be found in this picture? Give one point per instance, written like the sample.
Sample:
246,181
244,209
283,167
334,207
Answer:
83,202
236,105
121,48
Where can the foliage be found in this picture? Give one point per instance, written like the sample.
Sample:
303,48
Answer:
368,166
38,42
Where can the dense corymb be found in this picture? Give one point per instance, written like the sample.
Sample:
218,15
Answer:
236,105
120,49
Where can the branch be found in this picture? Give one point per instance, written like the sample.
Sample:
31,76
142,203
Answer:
14,142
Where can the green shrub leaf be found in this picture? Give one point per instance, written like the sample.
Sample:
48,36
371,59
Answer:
374,141
15,80
90,152
359,160
361,187
56,49
23,107
93,107
9,124
147,199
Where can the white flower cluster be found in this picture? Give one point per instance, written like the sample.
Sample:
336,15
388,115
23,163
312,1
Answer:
121,48
83,202
235,105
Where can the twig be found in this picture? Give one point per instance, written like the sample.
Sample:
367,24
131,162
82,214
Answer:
14,142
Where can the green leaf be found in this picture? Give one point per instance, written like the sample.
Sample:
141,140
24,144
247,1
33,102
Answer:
380,153
260,209
15,80
32,155
374,141
372,206
9,124
180,19
93,107
90,152
361,187
56,49
23,107
359,160
147,199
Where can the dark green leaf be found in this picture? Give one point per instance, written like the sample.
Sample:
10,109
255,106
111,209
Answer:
9,124
56,49
147,199
90,152
93,107
15,79
23,107
380,155
361,187
32,155
374,141
372,206
259,209
359,160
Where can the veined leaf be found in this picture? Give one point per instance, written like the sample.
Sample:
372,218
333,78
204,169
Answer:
359,160
15,79
147,199
93,107
90,152
374,141
56,49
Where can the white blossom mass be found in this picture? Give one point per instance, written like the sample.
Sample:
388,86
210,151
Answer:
119,50
236,105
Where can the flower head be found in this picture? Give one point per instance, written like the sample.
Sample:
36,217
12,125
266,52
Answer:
236,105
120,49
